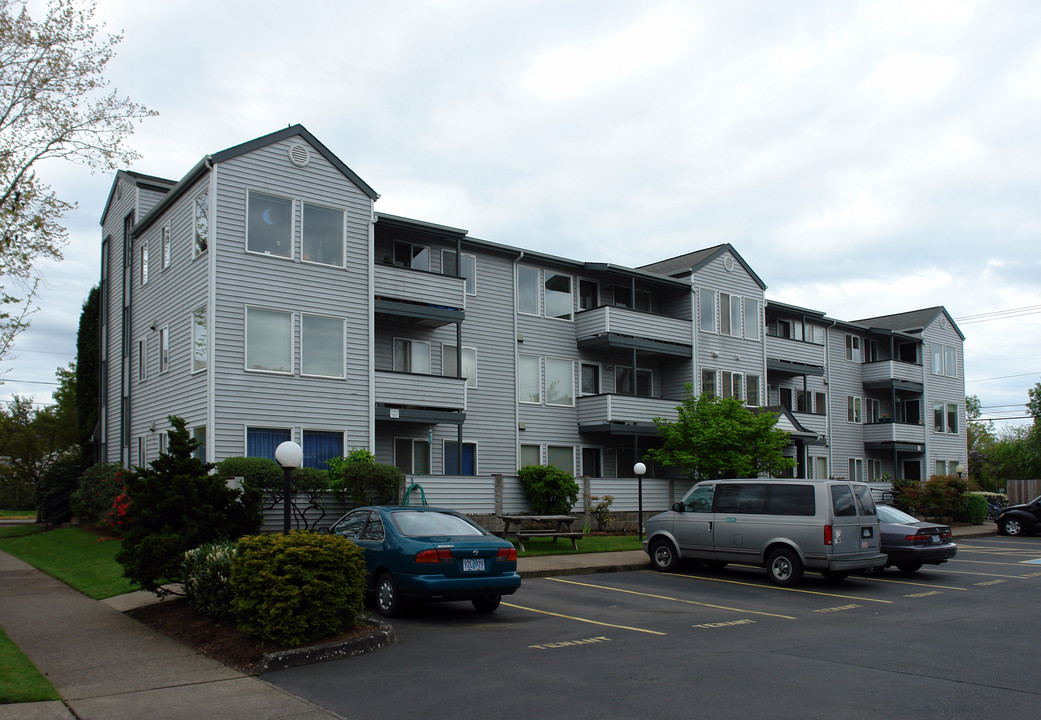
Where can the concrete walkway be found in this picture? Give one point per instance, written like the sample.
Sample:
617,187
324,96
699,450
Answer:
107,666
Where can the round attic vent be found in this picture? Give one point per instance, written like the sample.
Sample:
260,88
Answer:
299,155
728,263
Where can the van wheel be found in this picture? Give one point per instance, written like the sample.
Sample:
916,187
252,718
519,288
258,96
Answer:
784,567
664,556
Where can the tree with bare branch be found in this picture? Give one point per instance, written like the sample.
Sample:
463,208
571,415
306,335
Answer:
54,103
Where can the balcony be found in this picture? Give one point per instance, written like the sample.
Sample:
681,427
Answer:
623,414
425,298
411,397
624,329
893,374
793,357
893,435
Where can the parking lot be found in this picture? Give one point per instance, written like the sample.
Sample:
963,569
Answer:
957,640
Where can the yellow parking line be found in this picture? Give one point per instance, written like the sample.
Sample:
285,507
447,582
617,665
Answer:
585,620
778,587
673,599
956,572
989,562
911,582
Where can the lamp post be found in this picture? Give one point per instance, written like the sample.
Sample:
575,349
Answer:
639,468
960,469
289,455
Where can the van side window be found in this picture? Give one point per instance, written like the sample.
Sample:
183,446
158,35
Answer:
842,501
792,500
864,500
747,498
700,499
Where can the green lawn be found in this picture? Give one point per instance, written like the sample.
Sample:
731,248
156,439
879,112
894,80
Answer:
75,556
20,681
17,513
588,544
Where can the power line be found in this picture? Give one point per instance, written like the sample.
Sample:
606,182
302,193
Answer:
999,315
30,382
1005,377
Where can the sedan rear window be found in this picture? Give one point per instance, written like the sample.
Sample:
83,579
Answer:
416,523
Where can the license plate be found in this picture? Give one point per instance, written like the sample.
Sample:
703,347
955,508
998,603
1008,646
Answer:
936,538
473,564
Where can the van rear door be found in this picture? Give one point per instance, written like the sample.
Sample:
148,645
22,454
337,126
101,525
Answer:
854,523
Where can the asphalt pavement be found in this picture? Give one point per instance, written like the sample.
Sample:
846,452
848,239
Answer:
107,666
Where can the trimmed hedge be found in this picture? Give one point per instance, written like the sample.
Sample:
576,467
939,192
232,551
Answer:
550,491
295,588
207,578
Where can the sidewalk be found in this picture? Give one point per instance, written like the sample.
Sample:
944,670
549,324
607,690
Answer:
107,666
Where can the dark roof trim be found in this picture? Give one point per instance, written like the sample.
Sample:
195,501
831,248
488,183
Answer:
674,267
418,225
795,309
147,182
201,168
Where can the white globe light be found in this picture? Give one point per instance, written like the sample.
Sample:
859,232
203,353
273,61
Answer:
639,468
289,455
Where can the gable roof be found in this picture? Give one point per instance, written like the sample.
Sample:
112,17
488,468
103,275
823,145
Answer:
691,262
913,321
204,166
147,182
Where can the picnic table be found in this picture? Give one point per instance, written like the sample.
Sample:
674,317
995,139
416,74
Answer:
530,526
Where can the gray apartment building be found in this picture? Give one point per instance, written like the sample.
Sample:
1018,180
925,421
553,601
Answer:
263,298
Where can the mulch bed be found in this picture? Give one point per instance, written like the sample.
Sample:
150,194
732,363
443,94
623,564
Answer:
220,640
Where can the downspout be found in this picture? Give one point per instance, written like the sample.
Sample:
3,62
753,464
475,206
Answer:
516,364
459,355
211,322
827,376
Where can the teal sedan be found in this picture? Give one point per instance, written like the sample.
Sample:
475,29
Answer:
425,553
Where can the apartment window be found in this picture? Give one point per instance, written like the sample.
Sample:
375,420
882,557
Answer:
469,467
941,467
198,435
529,387
323,235
952,418
820,468
622,296
261,442
412,456
592,462
874,410
200,340
144,263
854,409
411,356
141,452
729,315
201,223
322,346
870,351
164,349
801,401
530,455
815,334
733,385
468,270
938,418
785,398
528,290
856,469
643,301
269,340
269,224
588,295
950,361
752,319
142,360
590,379
708,383
623,381
450,363
853,348
560,382
164,440
820,403
412,256
320,446
874,470
752,390
558,296
562,458
707,304
166,246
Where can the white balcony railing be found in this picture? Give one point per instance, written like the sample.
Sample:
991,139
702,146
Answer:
894,432
429,391
892,370
623,321
796,351
610,408
398,283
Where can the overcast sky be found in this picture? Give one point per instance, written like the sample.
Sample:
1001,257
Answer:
864,158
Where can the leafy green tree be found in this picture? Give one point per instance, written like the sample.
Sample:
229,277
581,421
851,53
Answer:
176,506
980,441
719,437
1034,403
88,359
53,104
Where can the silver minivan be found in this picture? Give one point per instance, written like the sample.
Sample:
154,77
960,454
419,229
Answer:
786,526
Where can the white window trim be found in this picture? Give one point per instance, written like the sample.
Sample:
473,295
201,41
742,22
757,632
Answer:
245,341
205,197
144,263
545,274
343,233
444,455
857,408
292,226
571,363
164,349
538,382
206,318
470,382
538,290
715,311
599,378
411,341
343,345
444,251
142,360
166,258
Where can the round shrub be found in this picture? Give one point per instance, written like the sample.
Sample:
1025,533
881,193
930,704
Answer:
99,486
207,578
295,588
973,509
550,491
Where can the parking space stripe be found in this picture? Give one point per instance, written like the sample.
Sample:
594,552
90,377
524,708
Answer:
584,620
778,587
991,562
919,584
958,572
673,599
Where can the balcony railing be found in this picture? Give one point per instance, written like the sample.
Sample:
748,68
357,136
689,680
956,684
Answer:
796,351
893,432
415,390
892,371
600,410
614,325
416,286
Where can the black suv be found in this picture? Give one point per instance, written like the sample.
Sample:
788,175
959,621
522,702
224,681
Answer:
1021,519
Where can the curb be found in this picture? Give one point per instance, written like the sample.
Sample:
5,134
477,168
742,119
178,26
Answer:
380,635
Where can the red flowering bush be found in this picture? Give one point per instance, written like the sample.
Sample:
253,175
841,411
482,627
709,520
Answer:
99,486
117,517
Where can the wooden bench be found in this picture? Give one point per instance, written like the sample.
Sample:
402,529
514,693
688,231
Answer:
522,534
564,528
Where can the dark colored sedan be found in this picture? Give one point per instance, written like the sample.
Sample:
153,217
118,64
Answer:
910,543
430,554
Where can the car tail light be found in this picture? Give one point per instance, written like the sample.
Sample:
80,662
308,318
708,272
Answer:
506,555
918,538
438,555
829,535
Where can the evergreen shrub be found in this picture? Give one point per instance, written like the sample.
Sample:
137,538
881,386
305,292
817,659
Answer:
207,578
550,490
298,587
